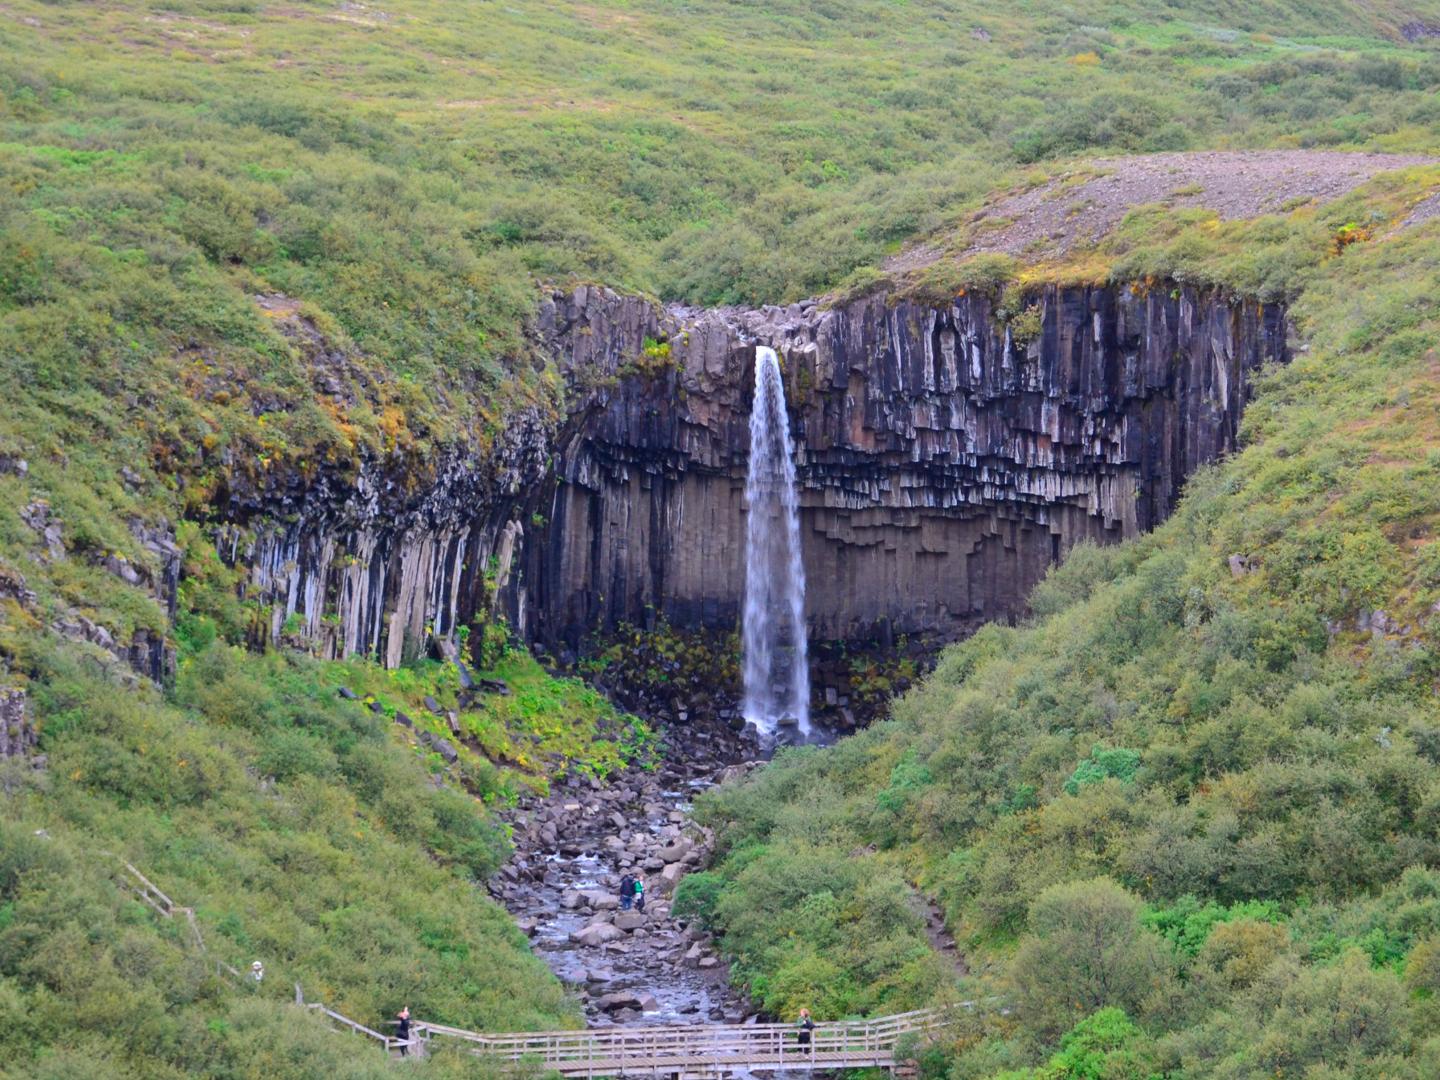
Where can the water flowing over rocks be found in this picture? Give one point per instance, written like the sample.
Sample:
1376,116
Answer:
942,465
572,848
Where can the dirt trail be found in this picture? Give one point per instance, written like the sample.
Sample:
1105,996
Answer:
1080,206
941,940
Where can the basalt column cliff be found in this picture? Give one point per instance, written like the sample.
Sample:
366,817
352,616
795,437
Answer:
943,463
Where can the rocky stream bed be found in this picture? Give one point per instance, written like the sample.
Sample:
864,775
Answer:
573,846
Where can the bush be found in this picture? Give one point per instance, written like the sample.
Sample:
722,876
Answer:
1085,951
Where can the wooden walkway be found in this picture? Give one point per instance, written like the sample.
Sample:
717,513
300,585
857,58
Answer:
682,1052
709,1050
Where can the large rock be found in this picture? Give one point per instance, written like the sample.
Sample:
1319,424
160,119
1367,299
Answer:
674,852
630,920
619,1000
944,464
596,934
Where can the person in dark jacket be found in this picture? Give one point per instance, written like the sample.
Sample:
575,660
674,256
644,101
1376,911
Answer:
627,892
806,1027
402,1029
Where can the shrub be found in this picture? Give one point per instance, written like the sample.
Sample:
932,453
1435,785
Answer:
1085,951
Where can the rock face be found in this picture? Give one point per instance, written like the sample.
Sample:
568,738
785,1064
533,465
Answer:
943,466
18,736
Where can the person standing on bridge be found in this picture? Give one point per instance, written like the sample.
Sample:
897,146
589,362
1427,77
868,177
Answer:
402,1030
806,1027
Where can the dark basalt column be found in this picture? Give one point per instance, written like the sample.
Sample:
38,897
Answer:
943,466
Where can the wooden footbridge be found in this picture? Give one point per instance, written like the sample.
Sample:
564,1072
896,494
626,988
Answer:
693,1051
676,1052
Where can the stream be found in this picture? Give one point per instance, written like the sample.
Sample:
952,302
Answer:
562,885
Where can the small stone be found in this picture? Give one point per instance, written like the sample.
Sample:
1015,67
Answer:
466,682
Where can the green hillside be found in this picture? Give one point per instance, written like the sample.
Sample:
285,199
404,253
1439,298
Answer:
1248,757
1200,787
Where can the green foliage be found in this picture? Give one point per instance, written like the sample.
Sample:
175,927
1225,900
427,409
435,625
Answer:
1103,764
697,895
1104,1046
1256,746
1086,951
1187,923
300,830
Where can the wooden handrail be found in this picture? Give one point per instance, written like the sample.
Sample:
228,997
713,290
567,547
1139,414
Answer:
714,1048
681,1046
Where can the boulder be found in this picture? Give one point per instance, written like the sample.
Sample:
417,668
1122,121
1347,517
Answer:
630,920
620,999
597,934
676,851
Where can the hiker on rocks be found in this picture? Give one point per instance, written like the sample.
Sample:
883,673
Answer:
638,888
627,892
806,1027
402,1030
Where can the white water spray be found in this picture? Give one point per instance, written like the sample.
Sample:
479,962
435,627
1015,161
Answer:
777,676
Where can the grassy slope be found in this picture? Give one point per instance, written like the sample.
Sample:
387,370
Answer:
403,171
1207,740
303,830
406,173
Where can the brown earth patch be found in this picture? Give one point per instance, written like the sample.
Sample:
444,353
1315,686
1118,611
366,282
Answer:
1079,207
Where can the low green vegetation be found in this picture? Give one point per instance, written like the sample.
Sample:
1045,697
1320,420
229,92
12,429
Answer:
1184,822
242,242
301,831
404,172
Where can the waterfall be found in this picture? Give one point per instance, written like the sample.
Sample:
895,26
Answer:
777,677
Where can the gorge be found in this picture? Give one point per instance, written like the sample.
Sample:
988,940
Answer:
947,453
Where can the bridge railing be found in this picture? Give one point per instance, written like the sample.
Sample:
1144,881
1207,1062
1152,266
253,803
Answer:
642,1047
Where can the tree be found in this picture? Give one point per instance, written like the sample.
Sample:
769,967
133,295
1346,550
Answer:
1086,950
